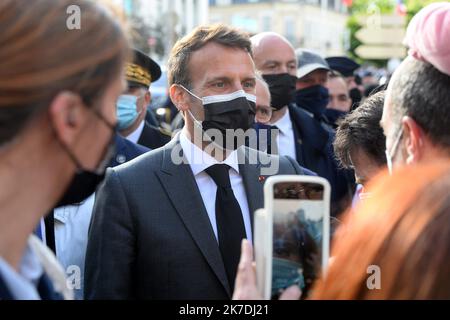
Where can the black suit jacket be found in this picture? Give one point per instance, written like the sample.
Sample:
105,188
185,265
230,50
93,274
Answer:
153,137
314,150
151,237
126,151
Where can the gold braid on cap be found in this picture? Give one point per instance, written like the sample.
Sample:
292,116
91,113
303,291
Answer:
137,74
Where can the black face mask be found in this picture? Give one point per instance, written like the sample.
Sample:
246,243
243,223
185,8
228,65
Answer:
82,186
334,115
313,99
85,182
282,89
356,97
227,112
235,114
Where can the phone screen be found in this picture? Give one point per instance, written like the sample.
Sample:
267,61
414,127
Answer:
298,214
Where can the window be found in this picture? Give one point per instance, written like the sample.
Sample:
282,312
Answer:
223,2
289,29
332,5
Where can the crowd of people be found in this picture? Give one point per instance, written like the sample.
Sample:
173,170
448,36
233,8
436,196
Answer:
99,200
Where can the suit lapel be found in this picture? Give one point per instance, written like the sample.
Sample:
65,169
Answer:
253,182
310,139
145,138
181,187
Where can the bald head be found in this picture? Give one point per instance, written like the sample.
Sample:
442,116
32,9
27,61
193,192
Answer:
263,104
273,54
264,39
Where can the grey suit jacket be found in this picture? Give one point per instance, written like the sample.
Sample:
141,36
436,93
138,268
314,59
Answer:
150,235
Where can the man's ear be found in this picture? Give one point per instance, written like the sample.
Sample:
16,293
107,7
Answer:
180,97
68,115
413,140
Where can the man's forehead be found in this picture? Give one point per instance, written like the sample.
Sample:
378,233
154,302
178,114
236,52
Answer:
337,84
215,60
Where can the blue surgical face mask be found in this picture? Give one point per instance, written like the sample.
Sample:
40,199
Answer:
313,99
126,111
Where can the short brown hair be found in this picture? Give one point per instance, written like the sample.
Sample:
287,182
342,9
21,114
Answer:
178,66
360,129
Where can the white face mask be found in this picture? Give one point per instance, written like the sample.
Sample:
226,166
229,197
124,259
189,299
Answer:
222,97
391,155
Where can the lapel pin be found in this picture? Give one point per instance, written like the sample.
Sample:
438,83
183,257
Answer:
261,178
120,158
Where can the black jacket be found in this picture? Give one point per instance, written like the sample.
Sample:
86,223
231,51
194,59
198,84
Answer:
151,237
153,137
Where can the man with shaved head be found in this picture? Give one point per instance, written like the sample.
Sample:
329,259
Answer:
300,136
416,115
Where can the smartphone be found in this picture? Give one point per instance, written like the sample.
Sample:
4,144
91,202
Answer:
292,234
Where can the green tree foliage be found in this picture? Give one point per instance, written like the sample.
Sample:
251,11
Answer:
414,6
366,6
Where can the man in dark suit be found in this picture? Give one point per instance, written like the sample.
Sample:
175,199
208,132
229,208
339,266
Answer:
132,113
169,224
300,135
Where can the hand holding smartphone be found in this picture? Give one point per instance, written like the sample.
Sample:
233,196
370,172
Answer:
292,234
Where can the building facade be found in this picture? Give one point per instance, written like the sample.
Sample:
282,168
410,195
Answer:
318,25
173,18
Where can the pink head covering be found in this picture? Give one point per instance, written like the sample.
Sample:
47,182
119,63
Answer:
428,36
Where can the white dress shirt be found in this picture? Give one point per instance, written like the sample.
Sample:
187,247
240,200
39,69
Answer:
71,236
23,284
199,161
136,134
286,139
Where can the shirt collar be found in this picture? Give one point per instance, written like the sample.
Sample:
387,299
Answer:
136,134
200,160
284,124
62,213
